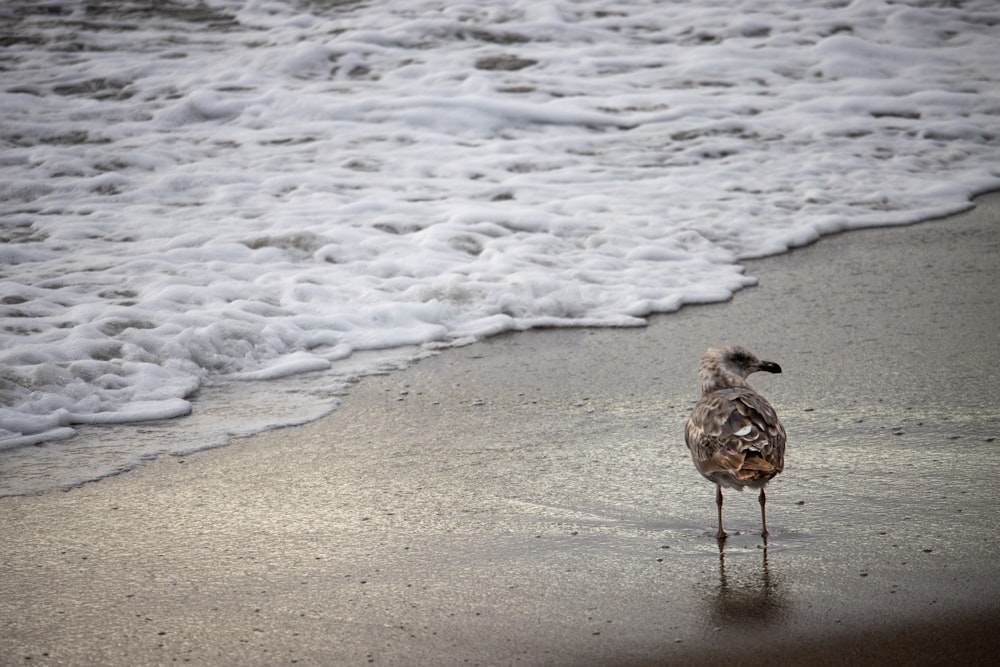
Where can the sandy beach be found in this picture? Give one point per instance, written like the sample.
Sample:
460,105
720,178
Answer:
529,500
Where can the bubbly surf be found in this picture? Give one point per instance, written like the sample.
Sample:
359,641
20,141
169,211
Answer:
232,210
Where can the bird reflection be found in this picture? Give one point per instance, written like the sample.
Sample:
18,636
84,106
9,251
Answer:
747,593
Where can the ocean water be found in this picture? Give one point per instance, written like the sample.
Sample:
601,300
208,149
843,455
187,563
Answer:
229,211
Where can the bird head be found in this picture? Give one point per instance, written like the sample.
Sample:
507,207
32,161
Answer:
729,366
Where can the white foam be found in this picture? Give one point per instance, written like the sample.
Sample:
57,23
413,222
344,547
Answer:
50,435
134,411
267,191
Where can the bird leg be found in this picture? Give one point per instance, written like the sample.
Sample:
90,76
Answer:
721,535
763,519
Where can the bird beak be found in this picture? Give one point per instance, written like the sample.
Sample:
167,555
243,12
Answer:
769,366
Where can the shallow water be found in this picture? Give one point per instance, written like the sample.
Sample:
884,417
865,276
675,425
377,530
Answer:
215,207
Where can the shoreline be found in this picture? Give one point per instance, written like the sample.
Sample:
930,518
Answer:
529,498
193,425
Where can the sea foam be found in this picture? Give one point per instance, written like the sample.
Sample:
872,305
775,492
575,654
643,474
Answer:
251,204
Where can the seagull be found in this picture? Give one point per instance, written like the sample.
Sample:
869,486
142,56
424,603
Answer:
734,434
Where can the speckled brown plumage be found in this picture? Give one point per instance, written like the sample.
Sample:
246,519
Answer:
734,435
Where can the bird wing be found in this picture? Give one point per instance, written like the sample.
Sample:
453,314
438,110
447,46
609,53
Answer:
736,431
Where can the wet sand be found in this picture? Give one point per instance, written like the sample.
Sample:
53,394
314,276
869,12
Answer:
529,500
